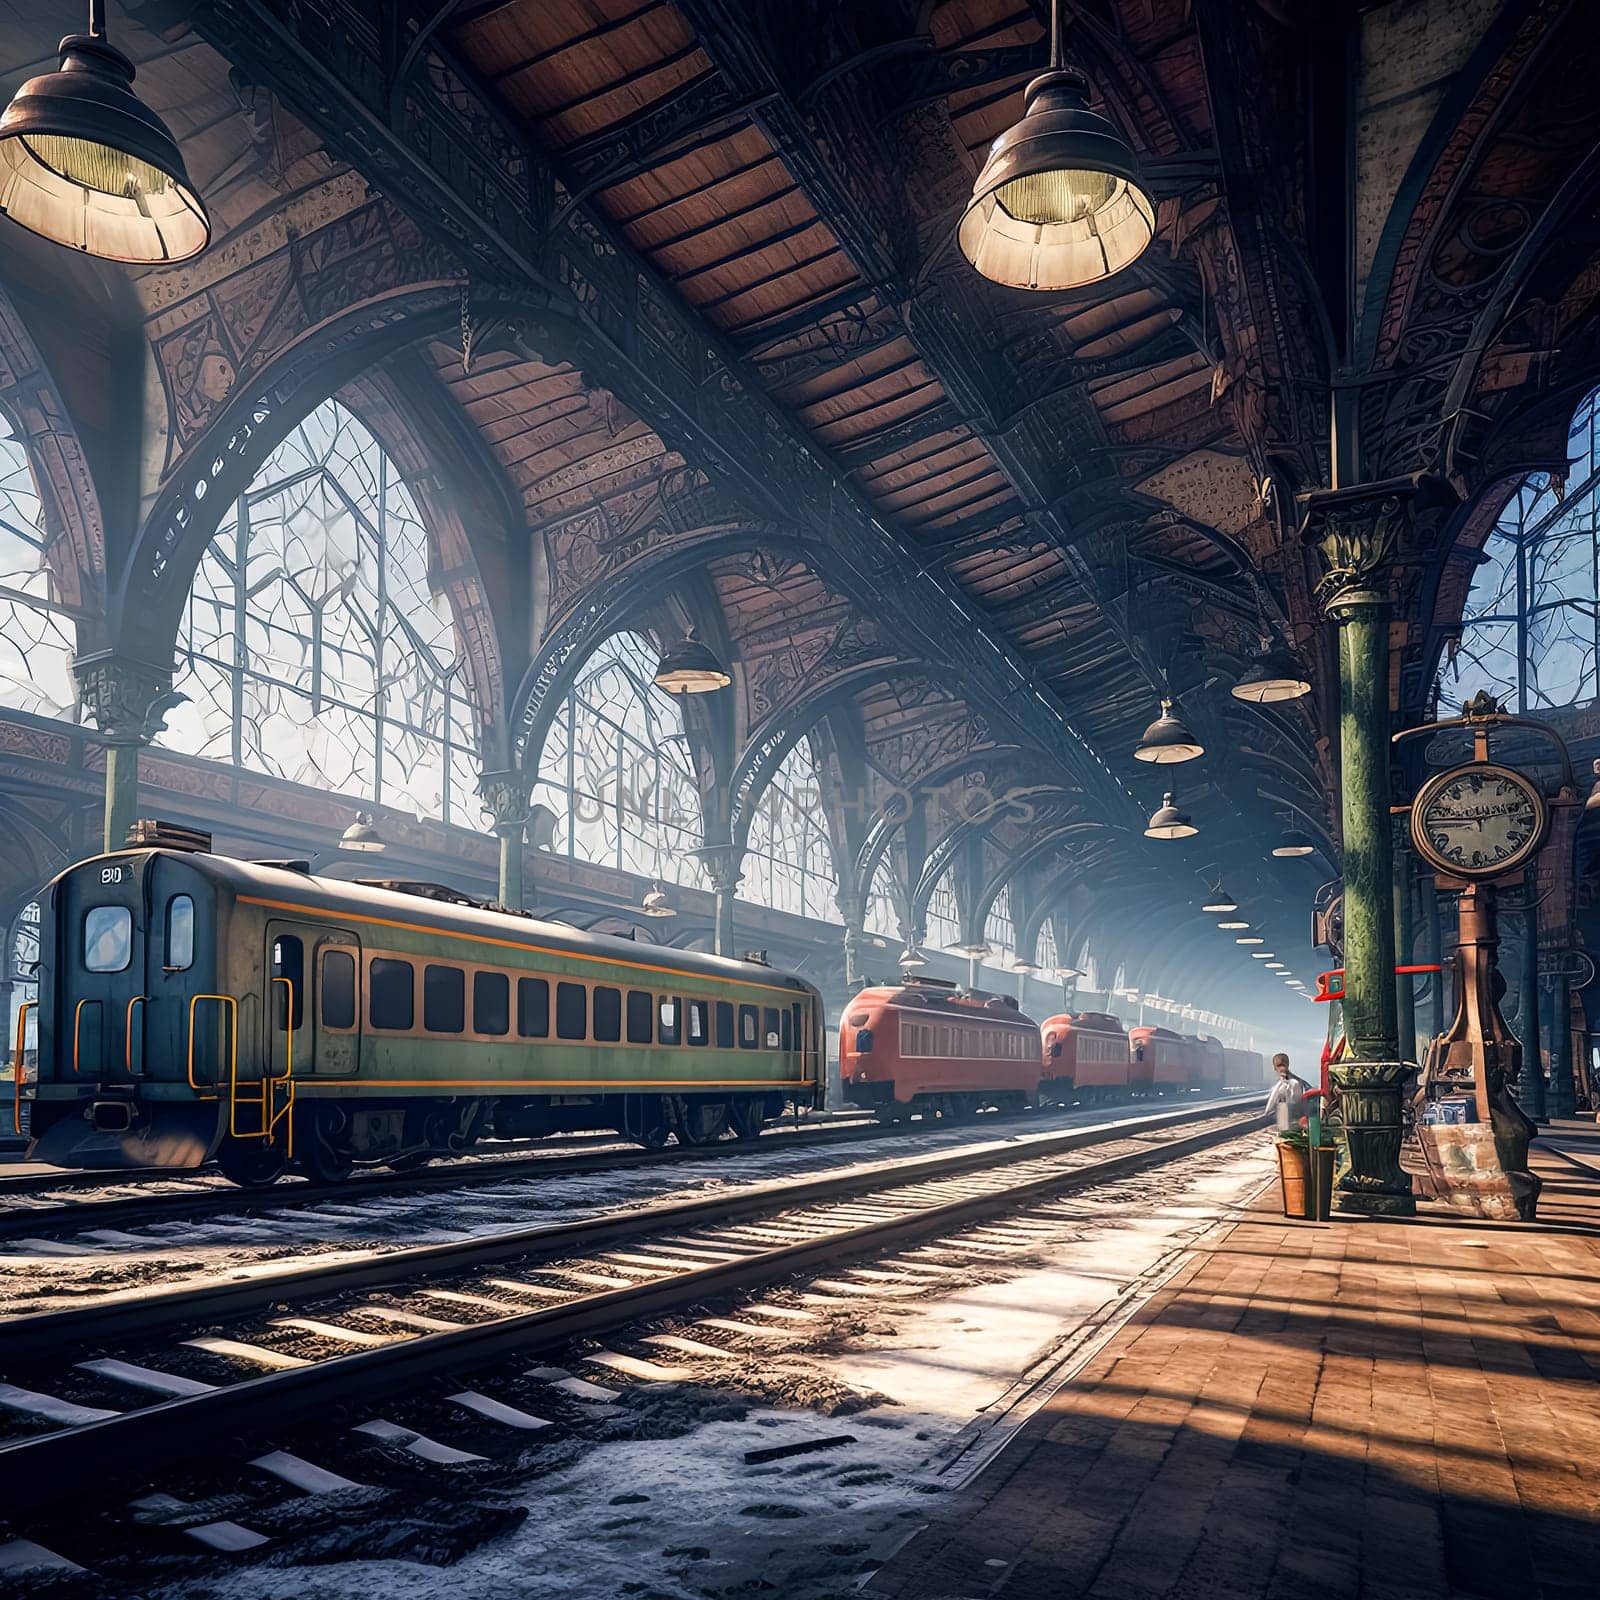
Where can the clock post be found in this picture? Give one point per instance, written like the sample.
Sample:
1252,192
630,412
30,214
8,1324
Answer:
1479,826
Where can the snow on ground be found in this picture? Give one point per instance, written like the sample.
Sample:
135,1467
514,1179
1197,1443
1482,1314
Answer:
686,1517
45,1274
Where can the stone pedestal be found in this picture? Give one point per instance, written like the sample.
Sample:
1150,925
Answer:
1369,1130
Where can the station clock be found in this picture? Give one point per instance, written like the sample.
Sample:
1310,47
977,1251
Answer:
1478,821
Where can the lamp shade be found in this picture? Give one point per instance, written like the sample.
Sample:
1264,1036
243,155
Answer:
1220,901
1273,674
1059,202
1293,844
1169,822
84,162
1166,740
912,959
1233,923
975,949
656,904
362,834
691,668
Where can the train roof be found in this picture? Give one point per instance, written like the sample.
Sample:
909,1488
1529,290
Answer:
938,997
1088,1021
424,907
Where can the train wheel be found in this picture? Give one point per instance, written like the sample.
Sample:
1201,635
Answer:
745,1119
317,1156
701,1123
252,1164
645,1120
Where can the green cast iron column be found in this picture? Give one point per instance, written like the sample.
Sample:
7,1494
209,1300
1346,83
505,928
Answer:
1404,991
505,796
1562,1097
1369,1005
1529,1087
129,701
1433,919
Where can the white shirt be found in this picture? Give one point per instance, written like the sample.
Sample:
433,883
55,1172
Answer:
1290,1093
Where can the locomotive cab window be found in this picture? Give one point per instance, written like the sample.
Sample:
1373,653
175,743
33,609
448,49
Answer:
391,1001
572,1011
769,1027
607,1014
288,981
108,939
338,989
724,1025
533,1008
640,1004
444,999
749,1025
180,933
491,1003
671,1023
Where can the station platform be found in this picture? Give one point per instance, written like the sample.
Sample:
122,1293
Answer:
1395,1410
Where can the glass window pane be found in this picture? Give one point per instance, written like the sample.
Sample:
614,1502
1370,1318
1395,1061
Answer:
699,1022
491,1003
641,1003
671,1020
391,1001
444,999
572,1011
338,989
180,933
533,1008
108,938
724,1025
607,1014
749,1027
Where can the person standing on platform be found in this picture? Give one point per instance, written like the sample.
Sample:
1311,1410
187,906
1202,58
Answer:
1287,1097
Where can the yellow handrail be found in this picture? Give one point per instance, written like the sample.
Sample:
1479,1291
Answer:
233,1066
77,1024
16,1061
266,1102
127,1040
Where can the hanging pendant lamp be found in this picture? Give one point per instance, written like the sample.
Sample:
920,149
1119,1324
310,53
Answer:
1169,822
1060,201
1293,844
1167,740
1273,675
691,668
1220,901
86,163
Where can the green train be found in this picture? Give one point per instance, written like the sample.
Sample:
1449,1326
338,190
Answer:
195,1007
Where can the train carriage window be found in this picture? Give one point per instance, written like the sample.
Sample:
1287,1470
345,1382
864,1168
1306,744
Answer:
607,1014
288,963
670,1026
572,1011
769,1027
533,1008
444,999
391,997
180,933
799,1026
108,938
749,1027
640,1005
787,1042
699,1022
491,1003
338,989
724,1025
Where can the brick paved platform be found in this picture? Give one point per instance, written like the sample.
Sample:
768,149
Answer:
1383,1410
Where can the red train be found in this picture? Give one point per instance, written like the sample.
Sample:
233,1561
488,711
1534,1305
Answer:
926,1046
1090,1058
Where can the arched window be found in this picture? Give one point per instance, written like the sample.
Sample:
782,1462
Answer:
36,633
1530,631
314,645
882,910
617,772
944,919
1045,955
22,972
998,931
788,863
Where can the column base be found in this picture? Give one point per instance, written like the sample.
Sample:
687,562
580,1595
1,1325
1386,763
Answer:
1369,1129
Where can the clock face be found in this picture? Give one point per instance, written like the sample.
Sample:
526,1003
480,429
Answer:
1477,821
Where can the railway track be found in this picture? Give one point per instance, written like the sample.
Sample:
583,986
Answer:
466,1304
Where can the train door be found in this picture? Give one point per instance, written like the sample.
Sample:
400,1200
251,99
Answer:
100,979
313,1011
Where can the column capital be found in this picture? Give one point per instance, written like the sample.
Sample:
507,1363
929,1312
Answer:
128,699
723,863
1364,532
506,795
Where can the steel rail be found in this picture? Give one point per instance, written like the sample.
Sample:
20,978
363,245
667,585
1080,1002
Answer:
134,1209
144,1313
36,1470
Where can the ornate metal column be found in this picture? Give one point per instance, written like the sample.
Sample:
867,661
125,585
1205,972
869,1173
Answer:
855,936
1529,1086
129,701
1434,925
506,795
1562,1098
1404,993
724,864
1358,532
